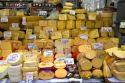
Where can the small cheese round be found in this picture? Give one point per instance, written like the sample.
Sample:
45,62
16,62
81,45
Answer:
61,73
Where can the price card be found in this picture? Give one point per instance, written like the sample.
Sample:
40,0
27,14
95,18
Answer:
3,62
43,13
32,37
29,77
4,19
48,53
75,80
106,29
7,34
72,12
84,36
83,28
50,30
98,46
31,45
15,25
69,61
64,40
24,21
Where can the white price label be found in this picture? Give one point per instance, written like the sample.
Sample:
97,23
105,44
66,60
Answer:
83,28
31,45
24,21
69,61
48,53
64,40
75,80
50,30
33,37
4,19
84,36
106,29
3,62
7,34
72,12
29,77
15,25
98,46
43,13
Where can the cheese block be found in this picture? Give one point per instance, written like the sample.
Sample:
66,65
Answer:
70,24
90,54
37,29
71,17
1,34
46,75
120,54
80,24
21,35
104,34
61,73
15,58
111,50
15,35
68,4
52,24
5,53
67,7
90,24
6,45
65,11
65,34
97,73
84,48
46,64
13,69
29,69
43,35
75,32
61,25
63,17
93,33
3,71
97,62
56,35
86,74
80,11
98,24
92,15
81,17
30,64
119,75
43,23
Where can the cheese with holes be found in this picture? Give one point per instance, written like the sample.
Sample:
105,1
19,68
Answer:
93,33
56,35
63,17
80,24
81,17
70,24
61,25
30,64
43,23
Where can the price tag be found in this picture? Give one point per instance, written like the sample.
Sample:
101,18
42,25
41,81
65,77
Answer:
98,46
3,62
72,12
15,25
50,30
4,19
33,37
122,24
31,45
7,34
84,36
24,21
48,53
69,61
62,58
13,57
29,77
83,28
75,80
43,13
106,29
64,40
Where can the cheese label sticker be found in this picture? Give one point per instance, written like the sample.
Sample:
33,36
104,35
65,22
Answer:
64,40
4,19
98,46
69,61
15,25
13,57
84,36
7,34
72,12
83,28
29,77
106,29
50,30
48,53
32,45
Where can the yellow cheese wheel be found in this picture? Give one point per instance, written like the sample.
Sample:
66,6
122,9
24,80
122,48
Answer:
90,54
97,63
60,73
84,48
59,64
97,73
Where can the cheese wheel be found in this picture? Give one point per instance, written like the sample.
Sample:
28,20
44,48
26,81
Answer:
84,48
119,54
86,74
90,54
97,73
59,55
61,73
45,64
97,63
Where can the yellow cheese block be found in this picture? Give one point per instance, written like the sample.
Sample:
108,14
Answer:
81,17
66,34
70,24
93,33
92,15
61,25
63,17
52,24
15,35
43,35
71,17
6,45
98,24
75,32
80,24
28,33
5,53
67,7
90,24
43,23
80,11
21,35
56,35
37,29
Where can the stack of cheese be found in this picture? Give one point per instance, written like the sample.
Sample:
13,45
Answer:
67,7
15,70
30,64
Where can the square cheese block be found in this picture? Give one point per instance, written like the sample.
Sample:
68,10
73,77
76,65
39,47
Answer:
66,33
56,35
70,24
75,32
43,35
71,17
63,17
6,45
90,24
98,23
92,15
61,25
80,24
5,53
37,29
81,17
94,33
43,23
15,35
52,24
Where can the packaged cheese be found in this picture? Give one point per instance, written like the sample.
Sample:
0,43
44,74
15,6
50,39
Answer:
71,17
43,23
80,24
43,35
70,24
56,35
62,16
52,24
61,25
81,17
98,24
75,32
93,33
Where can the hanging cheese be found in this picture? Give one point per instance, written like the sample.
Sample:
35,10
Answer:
81,17
46,75
71,17
90,54
97,63
65,34
97,73
61,25
52,24
93,33
61,73
63,17
79,11
90,24
43,23
70,24
56,35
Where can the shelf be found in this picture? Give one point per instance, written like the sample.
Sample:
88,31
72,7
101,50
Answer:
15,1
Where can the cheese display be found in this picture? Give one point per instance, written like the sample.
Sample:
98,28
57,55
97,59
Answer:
94,33
63,17
3,70
80,24
97,73
43,23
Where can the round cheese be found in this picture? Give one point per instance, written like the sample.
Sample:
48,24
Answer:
61,73
90,54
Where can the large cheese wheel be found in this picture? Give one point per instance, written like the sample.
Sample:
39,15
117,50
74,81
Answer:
90,54
97,62
46,65
97,73
60,73
86,74
59,55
